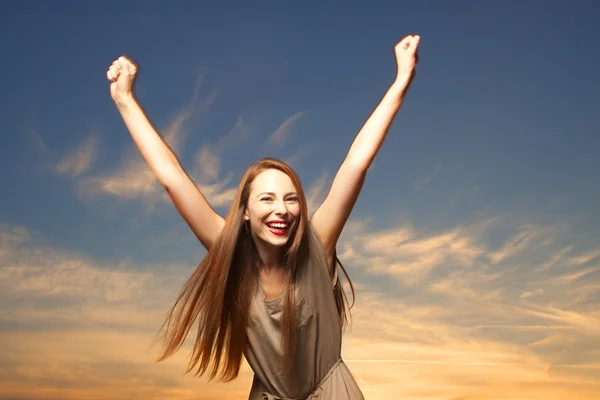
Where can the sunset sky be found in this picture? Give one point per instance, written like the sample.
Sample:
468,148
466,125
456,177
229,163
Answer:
474,247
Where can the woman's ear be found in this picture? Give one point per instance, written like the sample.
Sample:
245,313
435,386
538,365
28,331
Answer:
246,216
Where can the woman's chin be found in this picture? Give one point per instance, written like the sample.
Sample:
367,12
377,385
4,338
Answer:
278,242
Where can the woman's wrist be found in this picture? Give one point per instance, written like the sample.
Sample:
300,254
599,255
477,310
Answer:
402,81
123,101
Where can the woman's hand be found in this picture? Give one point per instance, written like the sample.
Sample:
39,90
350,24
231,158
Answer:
121,75
406,58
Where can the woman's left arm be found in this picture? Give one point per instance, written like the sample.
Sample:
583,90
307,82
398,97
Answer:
331,216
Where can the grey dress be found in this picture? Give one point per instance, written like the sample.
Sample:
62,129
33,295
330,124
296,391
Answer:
318,371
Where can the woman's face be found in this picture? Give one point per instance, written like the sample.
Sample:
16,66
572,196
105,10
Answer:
273,208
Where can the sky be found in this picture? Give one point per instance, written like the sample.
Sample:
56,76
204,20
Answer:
473,246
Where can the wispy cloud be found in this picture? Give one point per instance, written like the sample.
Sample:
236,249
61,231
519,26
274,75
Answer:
32,269
294,159
403,253
283,131
427,179
520,241
79,160
207,165
585,258
316,192
39,144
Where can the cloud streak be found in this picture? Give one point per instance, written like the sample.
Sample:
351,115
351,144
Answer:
316,192
283,131
80,160
207,165
427,179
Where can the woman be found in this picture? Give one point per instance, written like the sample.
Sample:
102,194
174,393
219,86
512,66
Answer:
268,288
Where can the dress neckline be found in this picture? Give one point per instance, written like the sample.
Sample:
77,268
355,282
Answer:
270,302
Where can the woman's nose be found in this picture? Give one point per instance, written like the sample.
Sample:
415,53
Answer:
280,207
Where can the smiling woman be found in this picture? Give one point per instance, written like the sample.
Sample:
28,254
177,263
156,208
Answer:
268,288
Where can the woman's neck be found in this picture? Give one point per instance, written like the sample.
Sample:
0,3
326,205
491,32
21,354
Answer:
271,257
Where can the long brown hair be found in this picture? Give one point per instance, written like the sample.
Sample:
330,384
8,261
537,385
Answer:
219,291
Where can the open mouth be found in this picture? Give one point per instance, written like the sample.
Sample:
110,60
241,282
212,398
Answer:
278,228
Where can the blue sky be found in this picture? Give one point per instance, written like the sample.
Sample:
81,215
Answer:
485,185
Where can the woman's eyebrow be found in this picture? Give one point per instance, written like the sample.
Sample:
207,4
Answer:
274,195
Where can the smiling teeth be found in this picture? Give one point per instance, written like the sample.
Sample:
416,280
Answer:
280,226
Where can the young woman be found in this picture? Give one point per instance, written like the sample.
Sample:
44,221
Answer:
268,287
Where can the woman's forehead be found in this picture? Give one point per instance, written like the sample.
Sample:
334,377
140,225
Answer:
272,180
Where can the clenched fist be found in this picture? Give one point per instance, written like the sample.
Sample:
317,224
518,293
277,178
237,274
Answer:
406,56
121,75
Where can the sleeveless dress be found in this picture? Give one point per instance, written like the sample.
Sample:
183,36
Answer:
318,371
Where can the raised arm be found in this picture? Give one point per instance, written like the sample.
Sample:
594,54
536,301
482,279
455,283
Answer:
191,204
331,216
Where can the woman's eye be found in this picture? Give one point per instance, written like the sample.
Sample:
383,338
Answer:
266,199
293,199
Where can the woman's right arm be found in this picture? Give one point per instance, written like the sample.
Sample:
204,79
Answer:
189,201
